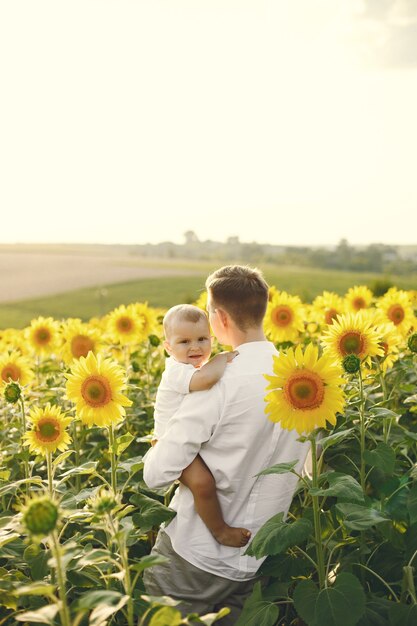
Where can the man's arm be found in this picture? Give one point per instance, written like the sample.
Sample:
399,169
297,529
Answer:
190,427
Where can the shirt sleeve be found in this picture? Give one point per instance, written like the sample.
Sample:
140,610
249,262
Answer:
188,429
178,376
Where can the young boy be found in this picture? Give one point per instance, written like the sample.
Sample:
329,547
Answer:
188,342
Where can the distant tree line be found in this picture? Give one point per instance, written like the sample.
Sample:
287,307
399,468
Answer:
379,258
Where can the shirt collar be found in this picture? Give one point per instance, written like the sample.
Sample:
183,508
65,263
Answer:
251,346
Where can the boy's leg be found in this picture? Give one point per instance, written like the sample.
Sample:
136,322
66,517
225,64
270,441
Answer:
198,478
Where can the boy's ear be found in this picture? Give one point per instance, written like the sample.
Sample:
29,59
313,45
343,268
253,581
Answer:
167,347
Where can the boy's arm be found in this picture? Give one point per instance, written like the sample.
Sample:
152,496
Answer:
211,372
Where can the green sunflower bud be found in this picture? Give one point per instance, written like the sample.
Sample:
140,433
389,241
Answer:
41,516
351,364
12,393
412,342
135,366
104,502
154,340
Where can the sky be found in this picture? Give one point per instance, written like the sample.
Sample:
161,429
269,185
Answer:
134,121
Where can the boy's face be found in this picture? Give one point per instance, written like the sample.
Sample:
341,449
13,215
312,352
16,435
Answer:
189,342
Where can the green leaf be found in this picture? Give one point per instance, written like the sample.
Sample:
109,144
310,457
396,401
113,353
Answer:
210,618
334,438
36,589
132,465
44,615
91,599
257,611
380,412
356,517
276,536
280,468
123,442
412,504
101,613
343,603
61,457
383,457
403,614
85,468
342,486
166,615
19,483
148,561
158,600
305,598
152,513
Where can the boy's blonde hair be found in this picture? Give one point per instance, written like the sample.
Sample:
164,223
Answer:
242,292
180,312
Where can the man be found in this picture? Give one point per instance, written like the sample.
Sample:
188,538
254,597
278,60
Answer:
227,426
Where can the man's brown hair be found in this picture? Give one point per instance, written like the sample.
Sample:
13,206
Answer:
242,292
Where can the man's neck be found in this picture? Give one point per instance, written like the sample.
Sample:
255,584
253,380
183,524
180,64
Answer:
238,337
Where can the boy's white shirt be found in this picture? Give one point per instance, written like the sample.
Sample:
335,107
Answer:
228,427
174,385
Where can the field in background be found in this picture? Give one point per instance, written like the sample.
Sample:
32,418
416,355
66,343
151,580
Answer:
165,291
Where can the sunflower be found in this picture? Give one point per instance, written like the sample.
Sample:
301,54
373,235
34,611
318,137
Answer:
201,301
16,368
305,391
95,386
358,297
284,318
43,335
149,318
328,306
391,342
352,333
79,340
397,308
48,433
124,326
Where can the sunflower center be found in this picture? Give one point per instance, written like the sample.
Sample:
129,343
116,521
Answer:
384,346
396,314
304,390
96,391
351,343
282,315
11,370
43,335
81,345
48,429
330,315
358,303
124,324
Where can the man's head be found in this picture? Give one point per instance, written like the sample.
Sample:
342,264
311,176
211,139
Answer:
187,334
241,292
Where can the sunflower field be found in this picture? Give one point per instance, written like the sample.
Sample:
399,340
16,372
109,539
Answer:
77,522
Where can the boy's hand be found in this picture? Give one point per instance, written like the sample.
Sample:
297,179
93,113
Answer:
229,355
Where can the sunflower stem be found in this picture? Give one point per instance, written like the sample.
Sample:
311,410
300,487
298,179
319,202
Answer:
49,472
25,460
316,513
64,611
362,431
113,459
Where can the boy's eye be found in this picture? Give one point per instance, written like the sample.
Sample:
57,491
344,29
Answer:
184,341
202,339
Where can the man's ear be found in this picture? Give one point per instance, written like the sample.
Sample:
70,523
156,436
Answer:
167,347
223,317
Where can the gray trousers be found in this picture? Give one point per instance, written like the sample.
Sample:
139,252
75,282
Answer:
199,591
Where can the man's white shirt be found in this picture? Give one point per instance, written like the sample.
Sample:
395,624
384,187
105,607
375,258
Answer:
174,385
228,427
